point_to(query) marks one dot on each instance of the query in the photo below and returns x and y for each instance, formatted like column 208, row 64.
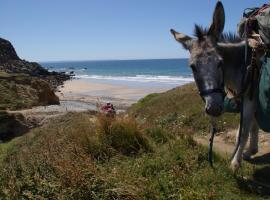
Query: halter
column 220, row 89
column 211, row 91
column 204, row 93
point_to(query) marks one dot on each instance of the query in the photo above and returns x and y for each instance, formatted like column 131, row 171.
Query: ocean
column 166, row 73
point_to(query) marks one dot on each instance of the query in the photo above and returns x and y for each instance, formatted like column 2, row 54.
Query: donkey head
column 205, row 61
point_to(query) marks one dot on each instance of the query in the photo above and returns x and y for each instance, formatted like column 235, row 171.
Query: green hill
column 153, row 156
column 178, row 110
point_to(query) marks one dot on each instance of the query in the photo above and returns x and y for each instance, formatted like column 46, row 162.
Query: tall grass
column 58, row 160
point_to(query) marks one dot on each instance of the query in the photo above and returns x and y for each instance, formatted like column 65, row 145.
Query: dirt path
column 224, row 143
column 39, row 115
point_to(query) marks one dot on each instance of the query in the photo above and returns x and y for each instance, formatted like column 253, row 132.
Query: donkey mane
column 228, row 37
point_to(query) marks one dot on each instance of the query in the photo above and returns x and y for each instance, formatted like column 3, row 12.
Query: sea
column 167, row 73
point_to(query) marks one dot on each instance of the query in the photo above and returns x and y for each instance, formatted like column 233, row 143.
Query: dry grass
column 58, row 160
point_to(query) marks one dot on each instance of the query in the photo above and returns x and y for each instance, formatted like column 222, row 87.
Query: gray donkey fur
column 217, row 59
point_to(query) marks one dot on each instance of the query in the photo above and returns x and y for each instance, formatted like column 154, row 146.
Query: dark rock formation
column 12, row 125
column 7, row 52
column 11, row 63
column 23, row 84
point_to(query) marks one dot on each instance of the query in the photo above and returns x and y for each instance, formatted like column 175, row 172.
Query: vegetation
column 179, row 110
column 19, row 91
column 84, row 156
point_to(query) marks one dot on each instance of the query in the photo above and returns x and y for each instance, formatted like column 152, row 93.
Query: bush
column 123, row 135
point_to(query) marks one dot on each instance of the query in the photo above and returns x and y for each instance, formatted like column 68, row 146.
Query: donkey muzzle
column 213, row 108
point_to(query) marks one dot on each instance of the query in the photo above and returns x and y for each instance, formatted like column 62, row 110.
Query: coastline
column 92, row 92
column 78, row 95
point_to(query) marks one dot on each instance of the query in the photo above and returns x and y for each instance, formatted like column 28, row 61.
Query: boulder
column 11, row 125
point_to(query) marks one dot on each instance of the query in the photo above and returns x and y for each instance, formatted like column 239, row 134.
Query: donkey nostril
column 214, row 110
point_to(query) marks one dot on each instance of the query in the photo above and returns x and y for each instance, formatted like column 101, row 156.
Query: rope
column 210, row 150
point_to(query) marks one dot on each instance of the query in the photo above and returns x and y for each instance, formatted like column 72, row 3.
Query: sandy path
column 225, row 143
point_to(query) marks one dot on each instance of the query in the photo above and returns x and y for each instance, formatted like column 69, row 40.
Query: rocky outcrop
column 7, row 51
column 45, row 94
column 11, row 63
column 19, row 91
column 12, row 125
column 25, row 84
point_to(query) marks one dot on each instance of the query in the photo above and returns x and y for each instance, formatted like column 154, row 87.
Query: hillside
column 89, row 156
column 23, row 85
column 179, row 110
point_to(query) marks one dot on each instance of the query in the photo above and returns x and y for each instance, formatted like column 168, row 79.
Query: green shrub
column 123, row 135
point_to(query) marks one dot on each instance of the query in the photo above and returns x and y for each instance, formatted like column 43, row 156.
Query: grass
column 84, row 156
column 60, row 159
column 179, row 110
column 19, row 91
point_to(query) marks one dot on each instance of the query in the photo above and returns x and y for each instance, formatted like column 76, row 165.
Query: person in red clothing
column 108, row 108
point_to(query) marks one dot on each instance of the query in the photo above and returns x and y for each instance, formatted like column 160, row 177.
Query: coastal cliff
column 10, row 62
column 23, row 85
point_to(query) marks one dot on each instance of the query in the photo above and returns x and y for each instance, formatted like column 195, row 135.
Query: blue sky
column 52, row 30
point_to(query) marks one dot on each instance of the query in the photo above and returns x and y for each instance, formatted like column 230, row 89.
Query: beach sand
column 90, row 92
column 78, row 95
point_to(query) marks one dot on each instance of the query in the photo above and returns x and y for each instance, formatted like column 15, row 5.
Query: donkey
column 216, row 60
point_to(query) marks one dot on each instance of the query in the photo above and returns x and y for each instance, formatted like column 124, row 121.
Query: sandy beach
column 78, row 95
column 93, row 93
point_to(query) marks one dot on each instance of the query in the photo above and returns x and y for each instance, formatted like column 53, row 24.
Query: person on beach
column 109, row 109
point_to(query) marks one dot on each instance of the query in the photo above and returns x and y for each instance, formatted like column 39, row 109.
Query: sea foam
column 141, row 78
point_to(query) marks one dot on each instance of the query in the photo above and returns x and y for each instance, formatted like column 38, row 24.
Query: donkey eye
column 193, row 67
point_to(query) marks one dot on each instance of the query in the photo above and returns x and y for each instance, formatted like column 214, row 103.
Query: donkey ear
column 218, row 23
column 182, row 38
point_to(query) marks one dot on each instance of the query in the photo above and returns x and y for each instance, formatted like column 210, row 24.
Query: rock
column 23, row 84
column 11, row 125
column 19, row 91
column 7, row 51
column 44, row 92
column 11, row 63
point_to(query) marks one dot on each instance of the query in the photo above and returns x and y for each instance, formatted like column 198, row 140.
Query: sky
column 57, row 30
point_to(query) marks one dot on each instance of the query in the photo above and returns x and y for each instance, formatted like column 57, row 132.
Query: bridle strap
column 211, row 91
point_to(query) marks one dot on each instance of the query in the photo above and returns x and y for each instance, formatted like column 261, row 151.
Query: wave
column 141, row 78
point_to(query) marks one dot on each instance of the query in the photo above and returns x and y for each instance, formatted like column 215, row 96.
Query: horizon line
column 52, row 61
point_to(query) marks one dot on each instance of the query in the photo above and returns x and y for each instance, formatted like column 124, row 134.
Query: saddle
column 254, row 27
